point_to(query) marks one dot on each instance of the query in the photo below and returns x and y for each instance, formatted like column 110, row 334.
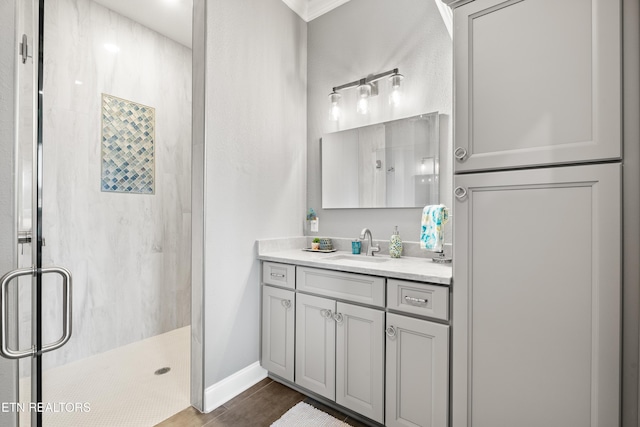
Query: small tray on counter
column 324, row 251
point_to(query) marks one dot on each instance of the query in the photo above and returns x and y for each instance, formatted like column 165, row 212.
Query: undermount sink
column 357, row 258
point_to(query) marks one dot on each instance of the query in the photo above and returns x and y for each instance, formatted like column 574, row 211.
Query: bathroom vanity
column 367, row 334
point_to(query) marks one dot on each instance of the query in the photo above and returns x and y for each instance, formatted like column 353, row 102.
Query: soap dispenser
column 395, row 244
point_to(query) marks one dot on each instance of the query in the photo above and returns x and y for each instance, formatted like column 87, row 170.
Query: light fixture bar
column 365, row 80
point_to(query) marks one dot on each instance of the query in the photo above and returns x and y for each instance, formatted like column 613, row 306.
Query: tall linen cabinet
column 537, row 213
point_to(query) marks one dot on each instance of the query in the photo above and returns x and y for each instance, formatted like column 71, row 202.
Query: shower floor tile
column 118, row 387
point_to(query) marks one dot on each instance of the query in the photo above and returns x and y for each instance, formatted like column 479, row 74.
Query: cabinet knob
column 460, row 193
column 286, row 303
column 338, row 318
column 460, row 153
column 391, row 331
column 327, row 314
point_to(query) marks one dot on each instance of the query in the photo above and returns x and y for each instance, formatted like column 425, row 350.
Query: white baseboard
column 233, row 385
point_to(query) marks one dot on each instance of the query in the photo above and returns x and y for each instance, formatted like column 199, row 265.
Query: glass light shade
column 395, row 97
column 364, row 92
column 334, row 110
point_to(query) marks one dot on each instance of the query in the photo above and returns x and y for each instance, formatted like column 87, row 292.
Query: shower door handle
column 7, row 352
column 66, row 308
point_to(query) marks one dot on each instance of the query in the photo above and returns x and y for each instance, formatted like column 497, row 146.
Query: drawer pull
column 412, row 300
column 278, row 275
column 286, row 303
column 391, row 331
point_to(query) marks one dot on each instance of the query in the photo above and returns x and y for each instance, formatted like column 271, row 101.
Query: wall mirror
column 393, row 164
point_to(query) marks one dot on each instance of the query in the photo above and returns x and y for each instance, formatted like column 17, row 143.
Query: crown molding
column 455, row 3
column 311, row 9
column 298, row 6
column 320, row 7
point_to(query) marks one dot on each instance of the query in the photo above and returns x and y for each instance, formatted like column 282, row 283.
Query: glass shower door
column 128, row 247
column 39, row 288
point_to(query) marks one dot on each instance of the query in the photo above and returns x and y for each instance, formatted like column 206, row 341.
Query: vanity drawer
column 418, row 298
column 279, row 274
column 337, row 284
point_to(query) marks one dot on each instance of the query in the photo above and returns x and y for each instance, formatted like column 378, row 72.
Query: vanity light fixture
column 366, row 88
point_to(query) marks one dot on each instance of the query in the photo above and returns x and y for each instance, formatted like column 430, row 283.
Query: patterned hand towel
column 434, row 217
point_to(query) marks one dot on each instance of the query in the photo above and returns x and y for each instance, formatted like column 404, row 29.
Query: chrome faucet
column 371, row 249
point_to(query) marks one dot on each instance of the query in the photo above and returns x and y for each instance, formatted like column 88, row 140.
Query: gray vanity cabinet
column 536, row 83
column 536, row 300
column 340, row 353
column 417, row 372
column 278, row 331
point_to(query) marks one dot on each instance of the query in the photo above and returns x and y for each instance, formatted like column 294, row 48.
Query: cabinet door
column 360, row 360
column 536, row 298
column 537, row 82
column 417, row 373
column 316, row 345
column 278, row 331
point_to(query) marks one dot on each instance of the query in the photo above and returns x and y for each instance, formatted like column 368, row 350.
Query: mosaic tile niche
column 128, row 151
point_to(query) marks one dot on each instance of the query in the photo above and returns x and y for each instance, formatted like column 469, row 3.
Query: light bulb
column 363, row 106
column 364, row 92
column 111, row 47
column 334, row 110
column 395, row 97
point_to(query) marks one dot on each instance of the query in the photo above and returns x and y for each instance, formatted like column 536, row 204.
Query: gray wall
column 364, row 37
column 8, row 369
column 254, row 165
column 129, row 253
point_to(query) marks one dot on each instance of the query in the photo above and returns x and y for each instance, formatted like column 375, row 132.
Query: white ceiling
column 172, row 18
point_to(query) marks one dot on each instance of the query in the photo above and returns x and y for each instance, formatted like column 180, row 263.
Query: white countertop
column 408, row 268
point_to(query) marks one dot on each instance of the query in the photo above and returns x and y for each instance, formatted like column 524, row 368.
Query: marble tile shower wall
column 129, row 253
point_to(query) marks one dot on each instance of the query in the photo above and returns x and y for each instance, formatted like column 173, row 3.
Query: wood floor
column 258, row 406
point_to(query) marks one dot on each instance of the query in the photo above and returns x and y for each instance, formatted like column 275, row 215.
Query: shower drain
column 162, row 371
